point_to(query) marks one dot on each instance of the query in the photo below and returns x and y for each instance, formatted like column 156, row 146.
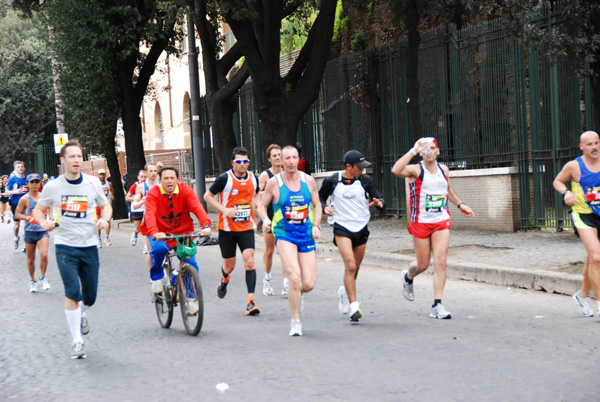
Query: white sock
column 74, row 322
column 354, row 306
column 286, row 281
column 268, row 277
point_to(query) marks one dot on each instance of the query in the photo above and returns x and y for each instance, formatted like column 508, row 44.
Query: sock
column 268, row 277
column 286, row 281
column 436, row 302
column 251, row 280
column 224, row 274
column 409, row 281
column 74, row 322
column 354, row 306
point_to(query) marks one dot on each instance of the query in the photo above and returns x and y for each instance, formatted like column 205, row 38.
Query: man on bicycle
column 168, row 208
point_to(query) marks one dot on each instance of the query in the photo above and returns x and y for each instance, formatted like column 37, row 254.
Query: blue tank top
column 590, row 185
column 292, row 215
column 27, row 212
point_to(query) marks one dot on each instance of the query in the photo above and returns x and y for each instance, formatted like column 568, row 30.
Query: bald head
column 590, row 145
column 588, row 136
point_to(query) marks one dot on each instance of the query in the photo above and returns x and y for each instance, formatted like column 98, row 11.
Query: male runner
column 292, row 193
column 584, row 197
column 238, row 191
column 349, row 191
column 16, row 188
column 137, row 214
column 107, row 188
column 140, row 197
column 75, row 195
column 35, row 235
column 274, row 157
column 430, row 191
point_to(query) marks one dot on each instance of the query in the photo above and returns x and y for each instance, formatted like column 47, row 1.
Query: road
column 502, row 344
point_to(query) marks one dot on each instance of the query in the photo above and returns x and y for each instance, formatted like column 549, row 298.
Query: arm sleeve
column 196, row 207
column 100, row 197
column 371, row 189
column 327, row 189
column 46, row 195
column 219, row 183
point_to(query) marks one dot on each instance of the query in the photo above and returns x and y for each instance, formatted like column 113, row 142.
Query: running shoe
column 78, row 351
column 267, row 288
column 157, row 286
column 285, row 286
column 24, row 250
column 107, row 241
column 584, row 304
column 192, row 307
column 251, row 308
column 343, row 304
column 85, row 324
column 222, row 287
column 17, row 238
column 355, row 313
column 45, row 283
column 99, row 243
column 296, row 327
column 407, row 288
column 33, row 287
column 133, row 240
column 2, row 218
column 145, row 250
column 440, row 312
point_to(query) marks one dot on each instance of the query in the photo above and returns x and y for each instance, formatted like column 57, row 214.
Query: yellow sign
column 59, row 141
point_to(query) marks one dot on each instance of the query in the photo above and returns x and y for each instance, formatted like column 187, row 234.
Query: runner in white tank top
column 430, row 191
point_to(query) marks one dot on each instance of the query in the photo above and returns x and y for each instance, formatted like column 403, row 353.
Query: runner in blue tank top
column 297, row 212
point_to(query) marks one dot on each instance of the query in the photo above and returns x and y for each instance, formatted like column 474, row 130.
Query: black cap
column 354, row 157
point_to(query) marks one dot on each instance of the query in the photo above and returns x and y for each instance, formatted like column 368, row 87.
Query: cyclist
column 168, row 208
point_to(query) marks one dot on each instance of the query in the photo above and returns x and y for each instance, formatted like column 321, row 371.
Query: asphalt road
column 502, row 344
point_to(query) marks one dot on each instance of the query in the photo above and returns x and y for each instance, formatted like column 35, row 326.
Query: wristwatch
column 564, row 191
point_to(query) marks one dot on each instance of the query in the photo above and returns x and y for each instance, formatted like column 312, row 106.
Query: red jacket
column 170, row 213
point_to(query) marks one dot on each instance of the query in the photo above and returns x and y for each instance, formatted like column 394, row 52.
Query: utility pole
column 195, row 116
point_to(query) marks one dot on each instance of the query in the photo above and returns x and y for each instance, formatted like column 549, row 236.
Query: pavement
column 540, row 260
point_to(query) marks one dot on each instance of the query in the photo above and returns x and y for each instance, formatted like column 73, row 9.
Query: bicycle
column 181, row 286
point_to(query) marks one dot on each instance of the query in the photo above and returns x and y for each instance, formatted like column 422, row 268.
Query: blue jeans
column 79, row 264
column 158, row 250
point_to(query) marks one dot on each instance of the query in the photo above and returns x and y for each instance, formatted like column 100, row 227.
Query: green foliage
column 337, row 23
column 359, row 42
column 346, row 23
column 26, row 97
column 295, row 28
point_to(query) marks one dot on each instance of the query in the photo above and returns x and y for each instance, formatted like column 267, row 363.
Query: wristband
column 31, row 220
column 413, row 151
column 318, row 227
column 459, row 204
column 206, row 227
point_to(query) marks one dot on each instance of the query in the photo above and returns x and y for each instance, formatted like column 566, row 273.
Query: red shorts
column 424, row 230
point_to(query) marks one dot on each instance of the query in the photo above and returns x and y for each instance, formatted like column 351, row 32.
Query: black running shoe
column 251, row 308
column 222, row 288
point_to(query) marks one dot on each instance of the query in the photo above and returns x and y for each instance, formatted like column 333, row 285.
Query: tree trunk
column 221, row 116
column 134, row 145
column 118, row 204
column 595, row 80
column 412, row 69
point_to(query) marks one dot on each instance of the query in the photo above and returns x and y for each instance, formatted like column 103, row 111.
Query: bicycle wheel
column 190, row 299
column 164, row 304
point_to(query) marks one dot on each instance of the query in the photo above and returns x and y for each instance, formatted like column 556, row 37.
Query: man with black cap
column 350, row 190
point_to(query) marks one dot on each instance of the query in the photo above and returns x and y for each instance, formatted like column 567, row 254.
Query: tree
column 26, row 103
column 280, row 102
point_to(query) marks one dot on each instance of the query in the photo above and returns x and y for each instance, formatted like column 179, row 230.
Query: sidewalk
column 546, row 261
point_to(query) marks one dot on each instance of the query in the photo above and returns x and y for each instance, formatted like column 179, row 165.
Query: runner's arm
column 39, row 213
column 402, row 169
column 266, row 199
column 139, row 199
column 375, row 194
column 560, row 182
column 452, row 197
column 316, row 203
column 326, row 191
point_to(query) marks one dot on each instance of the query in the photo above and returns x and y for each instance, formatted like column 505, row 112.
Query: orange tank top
column 238, row 193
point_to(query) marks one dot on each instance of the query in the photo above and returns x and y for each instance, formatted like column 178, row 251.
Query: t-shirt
column 15, row 183
column 75, row 203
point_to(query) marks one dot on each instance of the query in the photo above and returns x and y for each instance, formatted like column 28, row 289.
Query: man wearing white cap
column 430, row 191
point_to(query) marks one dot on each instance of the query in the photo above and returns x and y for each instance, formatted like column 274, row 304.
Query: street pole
column 195, row 117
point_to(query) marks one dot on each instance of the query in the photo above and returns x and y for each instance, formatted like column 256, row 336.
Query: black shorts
column 358, row 238
column 137, row 216
column 13, row 208
column 585, row 221
column 228, row 241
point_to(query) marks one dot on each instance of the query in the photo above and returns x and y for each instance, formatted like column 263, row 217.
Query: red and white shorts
column 425, row 230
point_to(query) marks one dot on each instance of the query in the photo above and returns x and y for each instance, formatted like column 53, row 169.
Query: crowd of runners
column 290, row 205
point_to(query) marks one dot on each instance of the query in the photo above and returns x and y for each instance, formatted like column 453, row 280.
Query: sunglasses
column 34, row 181
column 241, row 161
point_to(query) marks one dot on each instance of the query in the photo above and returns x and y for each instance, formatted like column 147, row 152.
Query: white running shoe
column 99, row 243
column 78, row 351
column 192, row 307
column 107, row 241
column 85, row 324
column 355, row 313
column 285, row 286
column 343, row 304
column 45, row 283
column 296, row 327
column 267, row 288
column 584, row 304
column 157, row 286
column 145, row 250
column 33, row 287
column 133, row 240
column 407, row 288
column 440, row 312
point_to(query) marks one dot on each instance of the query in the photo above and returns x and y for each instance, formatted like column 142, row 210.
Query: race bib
column 74, row 206
column 296, row 214
column 435, row 203
column 243, row 213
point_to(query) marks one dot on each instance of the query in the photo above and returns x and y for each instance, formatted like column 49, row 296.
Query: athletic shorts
column 358, row 238
column 228, row 241
column 585, row 221
column 79, row 264
column 425, row 230
column 304, row 246
column 13, row 209
column 137, row 216
column 33, row 236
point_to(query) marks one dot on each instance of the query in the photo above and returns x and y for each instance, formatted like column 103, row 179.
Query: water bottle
column 330, row 219
column 174, row 274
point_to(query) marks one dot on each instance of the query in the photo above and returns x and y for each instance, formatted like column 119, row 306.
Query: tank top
column 586, row 191
column 106, row 190
column 351, row 205
column 270, row 206
column 238, row 193
column 429, row 196
column 27, row 212
column 143, row 207
column 292, row 215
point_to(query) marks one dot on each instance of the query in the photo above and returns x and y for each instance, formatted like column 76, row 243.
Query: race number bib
column 74, row 206
column 243, row 213
column 435, row 203
column 296, row 214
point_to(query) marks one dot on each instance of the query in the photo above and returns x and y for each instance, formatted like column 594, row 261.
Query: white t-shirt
column 75, row 205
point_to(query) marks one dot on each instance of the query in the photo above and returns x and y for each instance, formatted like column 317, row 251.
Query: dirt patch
column 460, row 249
column 573, row 268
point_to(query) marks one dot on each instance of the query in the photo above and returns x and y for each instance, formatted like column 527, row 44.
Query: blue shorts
column 304, row 246
column 137, row 216
column 33, row 236
column 79, row 264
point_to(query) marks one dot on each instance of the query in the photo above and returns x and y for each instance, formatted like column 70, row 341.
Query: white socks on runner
column 74, row 321
column 268, row 277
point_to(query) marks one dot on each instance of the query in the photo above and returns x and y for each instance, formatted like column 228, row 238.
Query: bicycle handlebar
column 171, row 236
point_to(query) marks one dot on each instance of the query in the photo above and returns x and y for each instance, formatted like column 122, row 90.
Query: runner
column 75, row 195
column 17, row 187
column 274, row 157
column 349, row 191
column 292, row 193
column 179, row 200
column 34, row 235
column 140, row 198
column 136, row 214
column 430, row 191
column 584, row 197
column 238, row 191
column 107, row 188
column 4, row 200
